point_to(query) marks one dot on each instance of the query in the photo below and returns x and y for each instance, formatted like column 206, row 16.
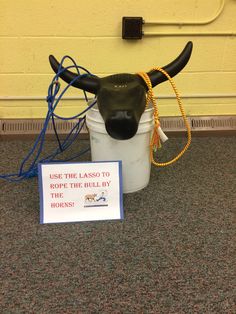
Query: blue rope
column 37, row 148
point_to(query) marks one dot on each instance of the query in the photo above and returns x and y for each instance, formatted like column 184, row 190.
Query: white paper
column 71, row 192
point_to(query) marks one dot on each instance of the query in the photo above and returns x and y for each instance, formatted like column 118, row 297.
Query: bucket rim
column 97, row 110
column 88, row 118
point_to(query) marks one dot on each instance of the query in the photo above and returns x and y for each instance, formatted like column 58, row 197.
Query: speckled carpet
column 173, row 253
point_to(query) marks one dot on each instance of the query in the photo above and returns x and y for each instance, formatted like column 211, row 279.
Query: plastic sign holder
column 74, row 192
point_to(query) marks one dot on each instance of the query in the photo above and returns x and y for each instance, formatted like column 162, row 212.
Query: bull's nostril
column 121, row 127
column 128, row 115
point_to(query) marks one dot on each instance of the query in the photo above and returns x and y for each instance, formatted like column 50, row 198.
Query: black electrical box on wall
column 132, row 27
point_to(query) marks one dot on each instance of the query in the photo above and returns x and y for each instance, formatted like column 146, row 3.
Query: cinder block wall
column 90, row 32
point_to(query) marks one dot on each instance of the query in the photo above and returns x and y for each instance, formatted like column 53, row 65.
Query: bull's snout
column 122, row 125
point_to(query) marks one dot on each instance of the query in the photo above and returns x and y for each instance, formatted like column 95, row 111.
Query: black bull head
column 121, row 98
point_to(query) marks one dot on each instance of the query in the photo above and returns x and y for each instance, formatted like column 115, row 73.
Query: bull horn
column 88, row 83
column 172, row 68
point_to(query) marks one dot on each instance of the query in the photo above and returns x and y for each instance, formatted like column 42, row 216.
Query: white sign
column 71, row 192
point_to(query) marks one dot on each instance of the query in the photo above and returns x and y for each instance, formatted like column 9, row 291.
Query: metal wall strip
column 170, row 124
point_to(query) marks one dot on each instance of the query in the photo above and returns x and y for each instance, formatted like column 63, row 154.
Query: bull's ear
column 172, row 68
column 87, row 83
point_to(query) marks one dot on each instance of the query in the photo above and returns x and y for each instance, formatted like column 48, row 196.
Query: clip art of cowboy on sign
column 71, row 192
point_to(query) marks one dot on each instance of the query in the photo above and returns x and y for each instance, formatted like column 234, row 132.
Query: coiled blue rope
column 30, row 169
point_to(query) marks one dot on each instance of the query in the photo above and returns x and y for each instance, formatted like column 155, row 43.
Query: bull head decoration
column 121, row 98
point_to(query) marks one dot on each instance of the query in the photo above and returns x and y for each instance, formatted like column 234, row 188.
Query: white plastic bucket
column 133, row 152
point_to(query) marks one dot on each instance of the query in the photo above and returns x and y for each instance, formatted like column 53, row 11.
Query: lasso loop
column 155, row 140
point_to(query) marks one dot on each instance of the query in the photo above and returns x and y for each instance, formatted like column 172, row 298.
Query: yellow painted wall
column 90, row 32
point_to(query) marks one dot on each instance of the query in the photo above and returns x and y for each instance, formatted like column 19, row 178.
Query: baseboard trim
column 200, row 125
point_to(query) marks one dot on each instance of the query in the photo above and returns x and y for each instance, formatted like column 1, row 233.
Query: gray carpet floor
column 173, row 253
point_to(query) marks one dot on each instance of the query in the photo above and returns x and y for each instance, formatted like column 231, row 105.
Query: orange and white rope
column 155, row 140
